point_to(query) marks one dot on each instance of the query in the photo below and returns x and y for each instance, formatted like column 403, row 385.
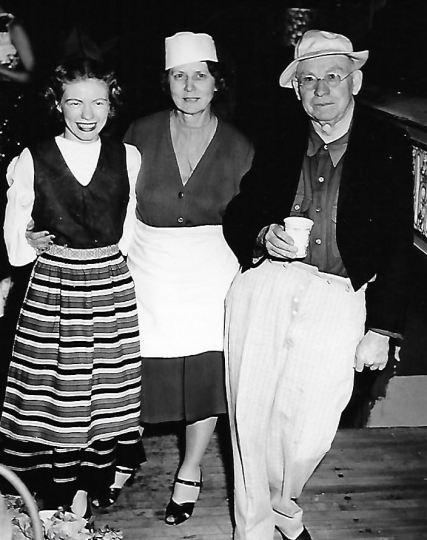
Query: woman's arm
column 133, row 160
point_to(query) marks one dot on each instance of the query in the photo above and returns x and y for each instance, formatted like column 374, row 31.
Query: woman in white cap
column 182, row 267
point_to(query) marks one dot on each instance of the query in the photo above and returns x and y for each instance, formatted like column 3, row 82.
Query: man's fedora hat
column 316, row 43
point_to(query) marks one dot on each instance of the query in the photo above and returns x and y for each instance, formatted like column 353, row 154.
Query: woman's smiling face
column 85, row 107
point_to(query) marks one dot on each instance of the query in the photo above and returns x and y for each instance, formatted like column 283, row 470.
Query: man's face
column 323, row 102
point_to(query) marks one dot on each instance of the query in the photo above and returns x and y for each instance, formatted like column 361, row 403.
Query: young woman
column 72, row 406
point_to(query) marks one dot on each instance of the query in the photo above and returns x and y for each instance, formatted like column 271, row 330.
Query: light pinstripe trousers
column 291, row 336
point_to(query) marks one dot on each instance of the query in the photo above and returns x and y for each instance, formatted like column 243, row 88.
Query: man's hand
column 40, row 241
column 278, row 243
column 372, row 351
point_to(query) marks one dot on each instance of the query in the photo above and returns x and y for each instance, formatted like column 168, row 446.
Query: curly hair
column 82, row 69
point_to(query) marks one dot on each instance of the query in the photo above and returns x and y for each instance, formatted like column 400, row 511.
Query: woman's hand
column 278, row 243
column 40, row 241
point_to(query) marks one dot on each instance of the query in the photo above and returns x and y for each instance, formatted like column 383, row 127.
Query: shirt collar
column 336, row 148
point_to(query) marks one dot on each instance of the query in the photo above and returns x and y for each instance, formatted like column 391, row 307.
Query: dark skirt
column 188, row 388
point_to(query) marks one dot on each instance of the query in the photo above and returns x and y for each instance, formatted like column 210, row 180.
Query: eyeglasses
column 309, row 82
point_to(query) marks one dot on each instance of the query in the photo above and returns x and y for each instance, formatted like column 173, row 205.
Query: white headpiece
column 186, row 47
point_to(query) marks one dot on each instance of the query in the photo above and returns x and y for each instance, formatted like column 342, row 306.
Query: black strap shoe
column 178, row 513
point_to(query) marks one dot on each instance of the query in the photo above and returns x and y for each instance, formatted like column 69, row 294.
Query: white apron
column 181, row 276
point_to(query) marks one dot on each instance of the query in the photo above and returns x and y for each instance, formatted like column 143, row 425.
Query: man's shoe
column 305, row 535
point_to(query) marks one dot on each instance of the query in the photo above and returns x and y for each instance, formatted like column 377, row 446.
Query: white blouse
column 82, row 160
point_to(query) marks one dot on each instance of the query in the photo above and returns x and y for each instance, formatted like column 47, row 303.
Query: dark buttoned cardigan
column 163, row 201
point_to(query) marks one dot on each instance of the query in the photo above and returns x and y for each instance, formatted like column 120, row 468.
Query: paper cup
column 299, row 229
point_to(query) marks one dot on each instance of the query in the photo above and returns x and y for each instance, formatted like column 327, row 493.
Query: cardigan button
column 180, row 220
column 181, row 194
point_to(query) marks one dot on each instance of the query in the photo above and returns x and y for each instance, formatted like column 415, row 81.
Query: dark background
column 251, row 36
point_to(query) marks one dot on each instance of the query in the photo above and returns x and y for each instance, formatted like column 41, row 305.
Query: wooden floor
column 371, row 486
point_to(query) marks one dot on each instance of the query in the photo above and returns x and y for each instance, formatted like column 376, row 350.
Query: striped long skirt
column 73, row 390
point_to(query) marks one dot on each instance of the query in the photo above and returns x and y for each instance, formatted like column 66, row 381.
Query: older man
column 297, row 328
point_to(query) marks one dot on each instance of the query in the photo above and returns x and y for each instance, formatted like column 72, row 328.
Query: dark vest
column 80, row 216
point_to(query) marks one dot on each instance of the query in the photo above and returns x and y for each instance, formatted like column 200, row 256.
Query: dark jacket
column 374, row 215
